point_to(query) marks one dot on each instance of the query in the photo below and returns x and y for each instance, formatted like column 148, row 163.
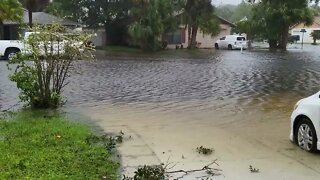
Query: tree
column 315, row 9
column 225, row 11
column 152, row 21
column 247, row 27
column 272, row 19
column 199, row 14
column 235, row 13
column 34, row 6
column 243, row 10
column 113, row 15
column 42, row 71
column 316, row 36
column 71, row 9
column 9, row 10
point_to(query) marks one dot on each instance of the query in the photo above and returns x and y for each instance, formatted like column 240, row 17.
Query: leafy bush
column 315, row 36
column 150, row 173
column 42, row 68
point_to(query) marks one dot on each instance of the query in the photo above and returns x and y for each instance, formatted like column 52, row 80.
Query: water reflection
column 221, row 80
column 225, row 79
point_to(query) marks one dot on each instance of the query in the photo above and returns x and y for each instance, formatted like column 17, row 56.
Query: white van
column 231, row 42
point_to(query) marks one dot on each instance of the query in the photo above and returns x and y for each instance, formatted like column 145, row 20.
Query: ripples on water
column 224, row 80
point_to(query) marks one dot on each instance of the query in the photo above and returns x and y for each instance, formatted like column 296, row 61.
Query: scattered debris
column 253, row 170
column 119, row 139
column 121, row 133
column 161, row 172
column 204, row 151
column 207, row 169
column 148, row 173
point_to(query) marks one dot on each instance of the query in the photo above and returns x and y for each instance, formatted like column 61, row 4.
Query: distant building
column 296, row 30
column 100, row 36
column 180, row 37
column 12, row 29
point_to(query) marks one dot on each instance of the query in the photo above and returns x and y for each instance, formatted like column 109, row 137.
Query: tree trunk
column 30, row 17
column 194, row 36
column 106, row 34
column 189, row 36
column 273, row 44
column 1, row 30
column 249, row 41
column 284, row 39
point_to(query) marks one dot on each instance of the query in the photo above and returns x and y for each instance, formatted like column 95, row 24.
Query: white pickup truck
column 9, row 48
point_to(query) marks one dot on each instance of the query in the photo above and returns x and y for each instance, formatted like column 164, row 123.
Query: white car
column 305, row 123
column 231, row 42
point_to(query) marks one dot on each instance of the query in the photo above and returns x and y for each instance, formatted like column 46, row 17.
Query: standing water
column 237, row 103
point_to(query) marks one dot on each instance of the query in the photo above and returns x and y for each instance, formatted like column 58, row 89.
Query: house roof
column 316, row 21
column 315, row 24
column 43, row 18
column 224, row 21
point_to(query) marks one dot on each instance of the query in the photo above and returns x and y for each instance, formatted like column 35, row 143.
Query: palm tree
column 34, row 6
column 9, row 10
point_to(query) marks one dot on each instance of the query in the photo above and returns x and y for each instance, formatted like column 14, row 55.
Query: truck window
column 223, row 38
column 241, row 38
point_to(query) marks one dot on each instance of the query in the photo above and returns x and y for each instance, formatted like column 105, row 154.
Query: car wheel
column 11, row 53
column 216, row 45
column 229, row 47
column 305, row 135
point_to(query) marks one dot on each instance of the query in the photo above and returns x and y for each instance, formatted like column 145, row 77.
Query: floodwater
column 237, row 103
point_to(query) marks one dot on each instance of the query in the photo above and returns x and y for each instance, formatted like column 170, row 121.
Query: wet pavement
column 237, row 103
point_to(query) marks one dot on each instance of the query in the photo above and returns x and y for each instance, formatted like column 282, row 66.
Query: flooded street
column 237, row 103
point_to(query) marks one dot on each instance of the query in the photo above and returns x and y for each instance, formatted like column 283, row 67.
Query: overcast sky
column 218, row 2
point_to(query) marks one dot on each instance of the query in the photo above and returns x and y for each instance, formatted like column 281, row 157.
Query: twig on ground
column 209, row 170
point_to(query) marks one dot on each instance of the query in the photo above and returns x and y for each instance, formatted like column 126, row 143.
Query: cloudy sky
column 217, row 2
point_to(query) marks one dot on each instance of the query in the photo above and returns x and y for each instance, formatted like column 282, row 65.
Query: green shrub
column 43, row 67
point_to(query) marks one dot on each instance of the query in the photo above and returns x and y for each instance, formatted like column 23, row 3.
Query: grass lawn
column 35, row 146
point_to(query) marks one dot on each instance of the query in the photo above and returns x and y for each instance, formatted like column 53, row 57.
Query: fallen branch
column 209, row 170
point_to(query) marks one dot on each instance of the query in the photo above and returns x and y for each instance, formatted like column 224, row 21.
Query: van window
column 241, row 38
column 223, row 38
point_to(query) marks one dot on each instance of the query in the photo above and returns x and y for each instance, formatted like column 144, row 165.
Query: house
column 180, row 37
column 297, row 30
column 100, row 36
column 12, row 29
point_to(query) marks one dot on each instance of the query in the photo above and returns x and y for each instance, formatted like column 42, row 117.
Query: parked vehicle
column 293, row 38
column 10, row 48
column 231, row 42
column 305, row 123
